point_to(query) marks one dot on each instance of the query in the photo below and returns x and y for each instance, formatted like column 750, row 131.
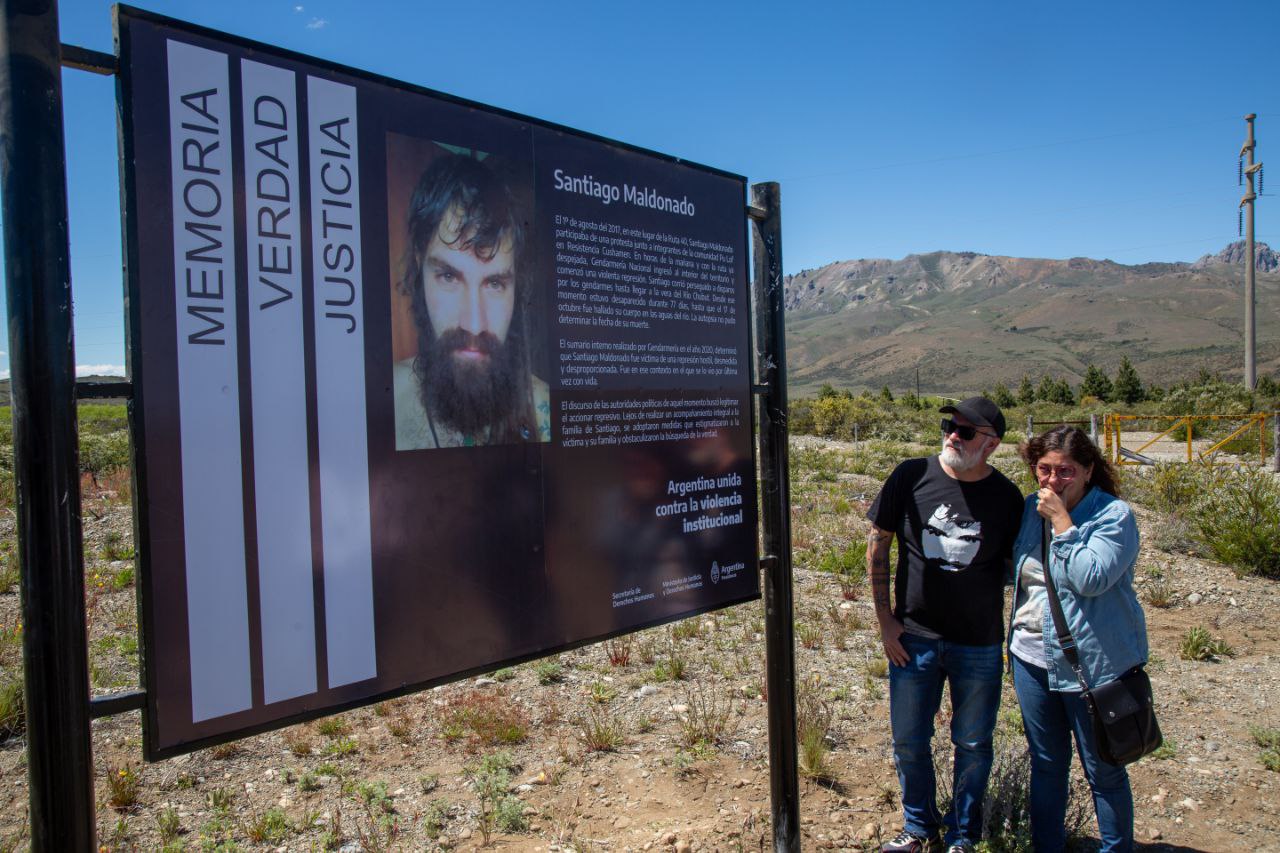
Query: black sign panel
column 422, row 386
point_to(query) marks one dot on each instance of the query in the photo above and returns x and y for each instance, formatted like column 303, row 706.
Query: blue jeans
column 1050, row 718
column 915, row 694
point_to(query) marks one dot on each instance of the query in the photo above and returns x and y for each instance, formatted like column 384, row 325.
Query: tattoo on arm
column 878, row 542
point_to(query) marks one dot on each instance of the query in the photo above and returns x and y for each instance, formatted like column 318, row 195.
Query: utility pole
column 1248, row 170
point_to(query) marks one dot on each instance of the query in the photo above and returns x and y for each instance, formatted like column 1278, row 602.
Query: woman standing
column 1092, row 548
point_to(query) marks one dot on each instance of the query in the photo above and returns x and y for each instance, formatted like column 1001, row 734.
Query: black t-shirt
column 953, row 540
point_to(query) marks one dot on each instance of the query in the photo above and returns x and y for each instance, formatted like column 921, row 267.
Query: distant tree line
column 1126, row 388
column 842, row 413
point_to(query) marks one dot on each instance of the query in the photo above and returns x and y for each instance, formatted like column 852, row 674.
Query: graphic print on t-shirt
column 950, row 540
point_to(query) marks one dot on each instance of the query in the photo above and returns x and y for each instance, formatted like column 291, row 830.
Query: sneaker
column 909, row 842
column 965, row 846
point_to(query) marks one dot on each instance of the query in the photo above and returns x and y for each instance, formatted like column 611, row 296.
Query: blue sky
column 1108, row 130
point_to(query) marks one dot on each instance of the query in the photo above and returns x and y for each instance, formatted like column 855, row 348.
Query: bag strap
column 1065, row 640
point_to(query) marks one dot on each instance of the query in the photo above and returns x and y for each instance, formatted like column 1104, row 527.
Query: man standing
column 955, row 518
column 470, row 382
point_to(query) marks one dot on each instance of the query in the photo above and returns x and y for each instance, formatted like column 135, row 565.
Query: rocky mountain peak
column 1264, row 259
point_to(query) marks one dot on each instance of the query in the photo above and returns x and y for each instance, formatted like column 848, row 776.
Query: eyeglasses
column 966, row 433
column 1064, row 472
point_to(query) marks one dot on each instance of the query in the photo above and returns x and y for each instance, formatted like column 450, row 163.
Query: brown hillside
column 967, row 320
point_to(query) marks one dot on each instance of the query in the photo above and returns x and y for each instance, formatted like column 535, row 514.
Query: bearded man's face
column 469, row 377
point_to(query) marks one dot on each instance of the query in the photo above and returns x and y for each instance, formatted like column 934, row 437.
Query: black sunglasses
column 966, row 433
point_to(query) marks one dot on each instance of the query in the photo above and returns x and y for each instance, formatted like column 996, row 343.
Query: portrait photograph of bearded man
column 463, row 374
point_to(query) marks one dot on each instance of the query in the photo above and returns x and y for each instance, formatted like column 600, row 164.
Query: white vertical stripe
column 277, row 370
column 208, row 380
column 340, row 396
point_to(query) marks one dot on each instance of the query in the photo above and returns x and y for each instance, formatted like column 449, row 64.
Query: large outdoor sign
column 422, row 386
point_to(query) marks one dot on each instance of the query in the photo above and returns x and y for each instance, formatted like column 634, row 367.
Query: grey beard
column 959, row 460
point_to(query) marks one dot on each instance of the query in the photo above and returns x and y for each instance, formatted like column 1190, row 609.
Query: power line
column 1001, row 151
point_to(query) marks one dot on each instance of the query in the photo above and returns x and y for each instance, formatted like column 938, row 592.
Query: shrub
column 168, row 823
column 490, row 780
column 601, row 730
column 1158, row 593
column 508, row 815
column 602, row 693
column 10, row 571
column 548, row 671
column 333, row 727
column 1269, row 740
column 1173, row 534
column 1176, row 485
column 270, row 827
column 1005, row 813
column 849, row 565
column 619, row 649
column 123, row 784
column 673, row 667
column 437, row 815
column 492, row 718
column 100, row 454
column 117, row 547
column 809, row 634
column 813, row 724
column 1238, row 519
column 13, row 709
column 707, row 717
column 1199, row 644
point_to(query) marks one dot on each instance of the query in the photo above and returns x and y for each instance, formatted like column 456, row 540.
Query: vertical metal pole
column 775, row 498
column 1250, row 373
column 1188, row 439
column 1275, row 443
column 1031, row 426
column 46, row 462
column 1093, row 428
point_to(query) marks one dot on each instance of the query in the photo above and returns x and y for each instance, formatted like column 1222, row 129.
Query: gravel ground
column 684, row 761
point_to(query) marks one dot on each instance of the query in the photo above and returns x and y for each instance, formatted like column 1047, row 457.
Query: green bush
column 1175, row 486
column 1238, row 520
column 13, row 711
column 100, row 454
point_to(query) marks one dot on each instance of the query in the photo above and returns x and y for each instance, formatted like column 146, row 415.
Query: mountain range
column 966, row 321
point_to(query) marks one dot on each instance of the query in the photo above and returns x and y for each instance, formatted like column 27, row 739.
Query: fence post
column 1275, row 444
column 1093, row 429
column 1031, row 426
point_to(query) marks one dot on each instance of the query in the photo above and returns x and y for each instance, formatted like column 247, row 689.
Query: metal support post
column 1031, row 427
column 1275, row 443
column 46, row 464
column 775, row 498
column 1249, row 170
column 1093, row 429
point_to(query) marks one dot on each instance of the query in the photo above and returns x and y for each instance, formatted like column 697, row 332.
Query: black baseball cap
column 980, row 412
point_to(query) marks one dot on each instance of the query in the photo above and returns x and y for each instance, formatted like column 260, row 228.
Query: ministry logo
column 715, row 572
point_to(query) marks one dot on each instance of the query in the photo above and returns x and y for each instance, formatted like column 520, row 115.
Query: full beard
column 959, row 460
column 475, row 398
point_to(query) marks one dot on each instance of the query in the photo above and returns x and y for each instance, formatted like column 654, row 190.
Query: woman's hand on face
column 1051, row 507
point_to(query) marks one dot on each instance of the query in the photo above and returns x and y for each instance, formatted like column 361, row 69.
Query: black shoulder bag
column 1123, row 710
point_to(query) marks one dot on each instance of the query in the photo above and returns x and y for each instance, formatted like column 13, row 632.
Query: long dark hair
column 491, row 214
column 1075, row 443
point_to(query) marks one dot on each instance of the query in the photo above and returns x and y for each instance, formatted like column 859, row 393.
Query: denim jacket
column 1092, row 565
